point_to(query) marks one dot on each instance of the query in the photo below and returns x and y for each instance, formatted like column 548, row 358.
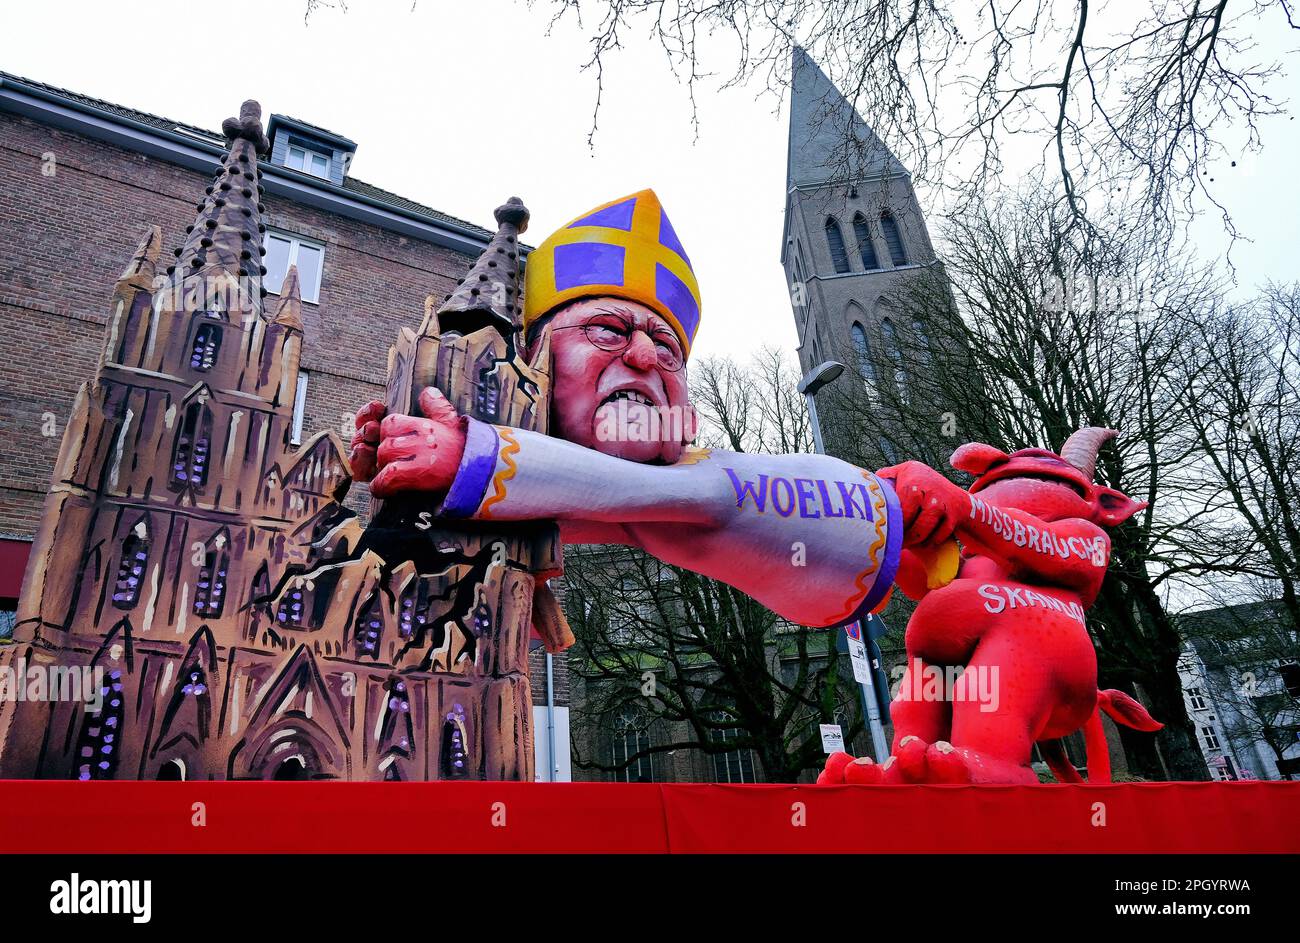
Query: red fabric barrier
column 596, row 817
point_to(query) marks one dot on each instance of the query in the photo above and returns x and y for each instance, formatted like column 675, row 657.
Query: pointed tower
column 176, row 502
column 854, row 232
column 829, row 141
column 466, row 590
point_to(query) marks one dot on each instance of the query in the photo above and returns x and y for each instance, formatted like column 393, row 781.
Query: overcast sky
column 460, row 105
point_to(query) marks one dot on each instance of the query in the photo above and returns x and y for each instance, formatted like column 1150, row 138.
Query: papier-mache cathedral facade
column 247, row 626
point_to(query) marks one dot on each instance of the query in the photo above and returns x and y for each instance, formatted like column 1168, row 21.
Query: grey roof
column 828, row 138
column 346, row 142
column 366, row 190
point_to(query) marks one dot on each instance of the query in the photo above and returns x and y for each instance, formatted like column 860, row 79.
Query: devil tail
column 1123, row 710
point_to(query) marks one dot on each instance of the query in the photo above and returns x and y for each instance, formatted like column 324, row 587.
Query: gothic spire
column 226, row 238
column 139, row 272
column 492, row 286
column 828, row 139
column 288, row 311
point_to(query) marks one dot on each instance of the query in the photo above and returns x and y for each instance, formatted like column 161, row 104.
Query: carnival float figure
column 1034, row 554
column 814, row 538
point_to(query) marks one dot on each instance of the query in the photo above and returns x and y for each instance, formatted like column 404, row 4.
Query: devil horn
column 1081, row 449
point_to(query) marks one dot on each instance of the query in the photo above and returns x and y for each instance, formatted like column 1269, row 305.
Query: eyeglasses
column 614, row 333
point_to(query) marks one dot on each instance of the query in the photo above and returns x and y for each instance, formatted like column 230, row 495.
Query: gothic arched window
column 99, row 745
column 835, row 240
column 210, row 588
column 207, row 341
column 191, row 452
column 889, row 336
column 487, row 400
column 862, row 349
column 130, row 568
column 291, row 607
column 396, row 730
column 893, row 239
column 924, row 352
column 631, row 736
column 866, row 247
column 368, row 627
column 453, row 760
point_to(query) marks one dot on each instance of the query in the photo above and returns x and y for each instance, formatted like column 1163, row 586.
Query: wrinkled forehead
column 638, row 314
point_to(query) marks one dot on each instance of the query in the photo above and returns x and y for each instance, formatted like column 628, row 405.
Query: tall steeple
column 490, row 292
column 226, row 237
column 829, row 141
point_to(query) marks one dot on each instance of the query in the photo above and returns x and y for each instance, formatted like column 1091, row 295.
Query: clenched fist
column 932, row 505
column 408, row 453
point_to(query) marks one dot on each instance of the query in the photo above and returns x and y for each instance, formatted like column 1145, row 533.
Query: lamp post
column 814, row 380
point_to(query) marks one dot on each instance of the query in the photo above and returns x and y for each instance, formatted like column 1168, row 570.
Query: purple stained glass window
column 210, row 588
column 207, row 341
column 98, row 746
column 290, row 610
column 130, row 570
column 454, row 754
column 369, row 626
column 190, row 453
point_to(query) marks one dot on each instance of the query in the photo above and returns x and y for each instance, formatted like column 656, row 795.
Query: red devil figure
column 999, row 659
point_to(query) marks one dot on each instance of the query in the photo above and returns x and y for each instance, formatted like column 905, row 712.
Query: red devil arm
column 1071, row 553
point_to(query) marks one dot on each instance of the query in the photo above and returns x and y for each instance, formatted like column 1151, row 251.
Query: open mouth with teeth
column 629, row 395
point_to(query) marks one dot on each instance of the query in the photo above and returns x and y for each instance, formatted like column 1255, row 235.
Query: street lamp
column 814, row 380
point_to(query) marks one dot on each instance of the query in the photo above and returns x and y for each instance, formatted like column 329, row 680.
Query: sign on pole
column 832, row 738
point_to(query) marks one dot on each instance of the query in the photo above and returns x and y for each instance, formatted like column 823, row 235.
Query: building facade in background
column 1240, row 671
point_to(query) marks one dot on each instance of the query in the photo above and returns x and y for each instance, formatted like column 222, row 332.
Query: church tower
column 854, row 239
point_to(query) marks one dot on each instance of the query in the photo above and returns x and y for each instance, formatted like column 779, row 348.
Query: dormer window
column 309, row 149
column 308, row 161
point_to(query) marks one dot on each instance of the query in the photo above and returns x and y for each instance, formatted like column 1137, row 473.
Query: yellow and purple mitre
column 626, row 249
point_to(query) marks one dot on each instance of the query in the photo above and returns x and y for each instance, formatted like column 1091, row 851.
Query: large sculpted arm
column 810, row 536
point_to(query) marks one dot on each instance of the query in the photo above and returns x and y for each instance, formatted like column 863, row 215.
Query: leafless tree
column 1129, row 103
column 1241, row 381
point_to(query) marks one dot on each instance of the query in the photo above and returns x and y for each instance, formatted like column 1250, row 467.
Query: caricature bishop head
column 615, row 292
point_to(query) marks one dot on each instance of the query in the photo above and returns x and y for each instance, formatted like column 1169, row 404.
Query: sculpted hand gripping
column 1034, row 554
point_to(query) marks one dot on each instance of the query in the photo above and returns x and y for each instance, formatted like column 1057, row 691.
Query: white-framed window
column 308, row 161
column 299, row 408
column 1211, row 741
column 283, row 250
column 1196, row 699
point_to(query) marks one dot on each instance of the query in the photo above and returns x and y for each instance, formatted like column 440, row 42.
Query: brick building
column 366, row 260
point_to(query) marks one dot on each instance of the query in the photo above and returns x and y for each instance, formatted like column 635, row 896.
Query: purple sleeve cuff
column 477, row 463
column 889, row 559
